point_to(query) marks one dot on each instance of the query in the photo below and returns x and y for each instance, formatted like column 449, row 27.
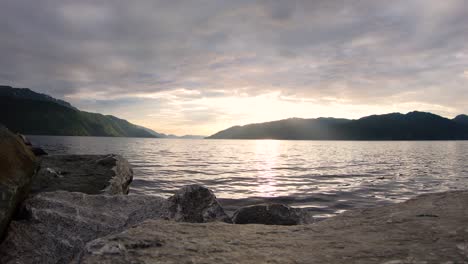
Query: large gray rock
column 17, row 165
column 196, row 204
column 91, row 174
column 428, row 229
column 271, row 214
column 54, row 226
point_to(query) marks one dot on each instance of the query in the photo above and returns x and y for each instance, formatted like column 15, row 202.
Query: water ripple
column 327, row 177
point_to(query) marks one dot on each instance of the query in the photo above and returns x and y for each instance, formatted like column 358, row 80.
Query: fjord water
column 327, row 177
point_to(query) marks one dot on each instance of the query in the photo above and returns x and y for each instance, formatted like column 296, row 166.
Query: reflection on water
column 327, row 177
column 266, row 152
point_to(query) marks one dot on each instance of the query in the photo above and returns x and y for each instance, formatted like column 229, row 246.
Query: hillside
column 395, row 126
column 461, row 119
column 27, row 112
column 25, row 93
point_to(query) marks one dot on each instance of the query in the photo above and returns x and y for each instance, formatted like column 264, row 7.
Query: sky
column 197, row 67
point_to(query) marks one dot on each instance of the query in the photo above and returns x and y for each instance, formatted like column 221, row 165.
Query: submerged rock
column 196, row 204
column 91, row 174
column 390, row 234
column 271, row 214
column 17, row 166
column 54, row 226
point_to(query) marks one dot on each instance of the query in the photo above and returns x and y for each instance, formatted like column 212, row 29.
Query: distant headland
column 41, row 114
column 411, row 126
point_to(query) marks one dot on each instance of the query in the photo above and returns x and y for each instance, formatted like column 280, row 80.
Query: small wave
column 323, row 176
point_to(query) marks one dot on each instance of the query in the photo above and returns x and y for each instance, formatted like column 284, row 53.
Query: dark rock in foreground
column 91, row 174
column 24, row 139
column 56, row 225
column 271, row 214
column 37, row 151
column 196, row 204
column 428, row 229
column 17, row 166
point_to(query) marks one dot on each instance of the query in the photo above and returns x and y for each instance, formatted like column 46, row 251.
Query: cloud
column 358, row 52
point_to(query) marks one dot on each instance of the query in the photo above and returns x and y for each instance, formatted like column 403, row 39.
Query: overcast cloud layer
column 194, row 67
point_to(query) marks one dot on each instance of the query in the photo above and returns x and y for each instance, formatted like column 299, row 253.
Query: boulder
column 428, row 229
column 271, row 214
column 196, row 204
column 36, row 150
column 91, row 174
column 54, row 226
column 24, row 139
column 17, row 166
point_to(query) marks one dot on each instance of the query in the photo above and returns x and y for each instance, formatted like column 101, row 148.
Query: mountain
column 461, row 119
column 25, row 93
column 171, row 136
column 412, row 126
column 191, row 137
column 28, row 112
column 152, row 132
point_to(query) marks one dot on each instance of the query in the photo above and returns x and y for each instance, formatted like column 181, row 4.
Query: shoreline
column 427, row 229
column 379, row 234
column 78, row 211
column 269, row 139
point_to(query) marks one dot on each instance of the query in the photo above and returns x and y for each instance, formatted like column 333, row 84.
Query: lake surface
column 327, row 177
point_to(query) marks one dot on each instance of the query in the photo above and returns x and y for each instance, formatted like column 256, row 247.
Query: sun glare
column 266, row 155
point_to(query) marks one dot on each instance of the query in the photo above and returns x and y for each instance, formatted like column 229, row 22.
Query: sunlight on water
column 328, row 177
column 266, row 153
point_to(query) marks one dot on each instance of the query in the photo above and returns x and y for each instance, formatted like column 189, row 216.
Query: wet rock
column 271, row 214
column 361, row 236
column 91, row 174
column 24, row 139
column 196, row 204
column 38, row 151
column 52, row 227
column 17, row 166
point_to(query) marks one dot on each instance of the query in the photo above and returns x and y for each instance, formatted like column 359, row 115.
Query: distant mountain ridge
column 26, row 93
column 162, row 135
column 395, row 126
column 152, row 132
column 25, row 111
column 461, row 119
column 184, row 136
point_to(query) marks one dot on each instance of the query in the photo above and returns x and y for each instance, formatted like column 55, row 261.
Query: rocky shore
column 75, row 209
